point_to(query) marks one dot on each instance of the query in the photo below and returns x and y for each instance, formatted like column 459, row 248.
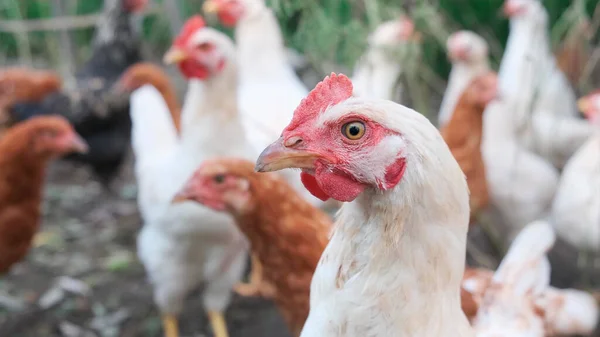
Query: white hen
column 395, row 260
column 576, row 207
column 269, row 89
column 184, row 244
column 508, row 308
column 468, row 53
column 376, row 73
column 546, row 117
column 521, row 183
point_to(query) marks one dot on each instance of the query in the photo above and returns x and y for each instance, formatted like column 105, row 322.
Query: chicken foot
column 217, row 322
column 170, row 326
column 257, row 285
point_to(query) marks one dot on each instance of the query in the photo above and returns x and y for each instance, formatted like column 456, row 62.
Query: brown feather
column 287, row 234
column 23, row 160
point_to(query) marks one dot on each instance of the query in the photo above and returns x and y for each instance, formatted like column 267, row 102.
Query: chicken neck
column 522, row 61
column 405, row 247
column 114, row 23
column 376, row 74
column 460, row 76
column 260, row 45
column 215, row 98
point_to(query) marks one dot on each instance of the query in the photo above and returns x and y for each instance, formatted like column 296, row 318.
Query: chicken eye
column 219, row 178
column 205, row 47
column 353, row 130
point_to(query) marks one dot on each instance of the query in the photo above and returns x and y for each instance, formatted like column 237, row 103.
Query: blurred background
column 85, row 279
column 329, row 35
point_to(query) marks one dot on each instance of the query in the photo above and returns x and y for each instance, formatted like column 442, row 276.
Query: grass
column 328, row 31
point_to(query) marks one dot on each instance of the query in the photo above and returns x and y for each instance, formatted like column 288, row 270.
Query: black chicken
column 98, row 112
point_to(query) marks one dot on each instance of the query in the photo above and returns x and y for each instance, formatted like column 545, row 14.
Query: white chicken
column 183, row 245
column 564, row 312
column 508, row 308
column 395, row 261
column 568, row 312
column 376, row 73
column 576, row 207
column 269, row 89
column 468, row 53
column 546, row 117
column 521, row 184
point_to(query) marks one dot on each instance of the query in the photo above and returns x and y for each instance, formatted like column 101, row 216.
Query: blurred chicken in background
column 463, row 135
column 576, row 206
column 545, row 111
column 25, row 151
column 468, row 53
column 269, row 89
column 287, row 233
column 98, row 113
column 377, row 72
column 185, row 245
column 18, row 84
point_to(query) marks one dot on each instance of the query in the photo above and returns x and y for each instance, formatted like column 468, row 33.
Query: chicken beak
column 277, row 157
column 77, row 144
column 583, row 105
column 210, row 6
column 180, row 197
column 174, row 55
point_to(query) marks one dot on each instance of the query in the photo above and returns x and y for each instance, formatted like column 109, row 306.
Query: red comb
column 331, row 91
column 192, row 25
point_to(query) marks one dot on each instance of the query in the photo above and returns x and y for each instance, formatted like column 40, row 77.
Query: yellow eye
column 353, row 130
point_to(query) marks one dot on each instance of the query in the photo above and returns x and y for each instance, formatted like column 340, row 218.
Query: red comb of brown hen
column 331, row 91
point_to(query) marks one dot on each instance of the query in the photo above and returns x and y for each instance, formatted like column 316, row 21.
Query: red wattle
column 338, row 185
column 310, row 182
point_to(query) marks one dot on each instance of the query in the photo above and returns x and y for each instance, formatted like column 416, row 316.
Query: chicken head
column 220, row 184
column 590, row 106
column 230, row 12
column 526, row 9
column 134, row 5
column 393, row 32
column 466, row 46
column 341, row 143
column 53, row 136
column 199, row 51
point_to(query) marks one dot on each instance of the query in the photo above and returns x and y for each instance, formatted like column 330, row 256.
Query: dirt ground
column 86, row 280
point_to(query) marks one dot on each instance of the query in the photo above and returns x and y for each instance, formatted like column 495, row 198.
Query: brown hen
column 286, row 233
column 144, row 73
column 20, row 84
column 463, row 136
column 25, row 150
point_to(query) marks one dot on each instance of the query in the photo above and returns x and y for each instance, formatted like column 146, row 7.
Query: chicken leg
column 256, row 284
column 170, row 325
column 217, row 322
